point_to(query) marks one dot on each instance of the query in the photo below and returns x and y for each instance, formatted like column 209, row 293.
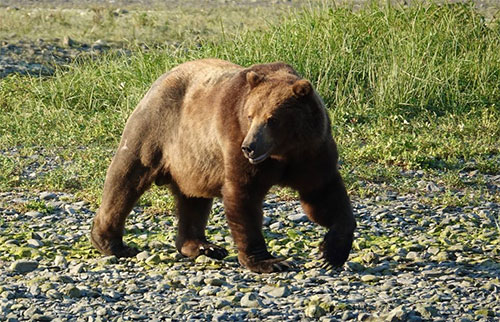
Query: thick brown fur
column 210, row 128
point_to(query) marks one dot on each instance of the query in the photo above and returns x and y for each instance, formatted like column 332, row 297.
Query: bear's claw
column 213, row 251
column 268, row 264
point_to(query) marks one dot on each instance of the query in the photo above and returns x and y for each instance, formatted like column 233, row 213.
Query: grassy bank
column 414, row 88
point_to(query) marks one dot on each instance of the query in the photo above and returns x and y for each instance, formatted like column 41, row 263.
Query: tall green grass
column 416, row 88
column 404, row 87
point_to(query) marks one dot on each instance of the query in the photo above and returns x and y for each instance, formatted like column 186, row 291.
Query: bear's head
column 282, row 114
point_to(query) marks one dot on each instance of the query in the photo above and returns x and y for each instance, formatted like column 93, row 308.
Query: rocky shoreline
column 410, row 262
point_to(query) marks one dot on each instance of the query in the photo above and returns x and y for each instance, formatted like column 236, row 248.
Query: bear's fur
column 210, row 128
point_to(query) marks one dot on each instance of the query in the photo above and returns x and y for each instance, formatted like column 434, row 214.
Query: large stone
column 250, row 300
column 314, row 311
column 22, row 266
column 72, row 291
column 298, row 218
column 35, row 243
column 47, row 195
column 281, row 291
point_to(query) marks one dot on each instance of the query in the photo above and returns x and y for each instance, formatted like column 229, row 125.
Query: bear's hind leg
column 126, row 181
column 192, row 215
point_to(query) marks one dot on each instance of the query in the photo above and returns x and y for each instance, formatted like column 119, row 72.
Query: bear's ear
column 254, row 79
column 301, row 88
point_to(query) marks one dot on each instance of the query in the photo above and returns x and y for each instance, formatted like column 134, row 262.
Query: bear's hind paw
column 271, row 265
column 114, row 247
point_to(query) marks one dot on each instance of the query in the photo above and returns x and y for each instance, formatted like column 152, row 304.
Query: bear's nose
column 248, row 150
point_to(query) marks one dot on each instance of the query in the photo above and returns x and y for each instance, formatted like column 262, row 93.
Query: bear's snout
column 248, row 150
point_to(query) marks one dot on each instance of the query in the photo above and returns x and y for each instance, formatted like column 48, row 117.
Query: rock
column 41, row 318
column 277, row 225
column 142, row 255
column 298, row 218
column 99, row 44
column 53, row 294
column 398, row 314
column 72, row 291
column 77, row 269
column 181, row 308
column 203, row 259
column 34, row 214
column 32, row 310
column 48, row 196
column 369, row 278
column 108, row 260
column 221, row 303
column 432, row 187
column 314, row 311
column 214, row 281
column 426, row 311
column 35, row 243
column 433, row 250
column 250, row 300
column 370, row 257
column 69, row 210
column 441, row 257
column 60, row 261
column 68, row 42
column 153, row 260
column 22, row 266
column 484, row 313
column 281, row 291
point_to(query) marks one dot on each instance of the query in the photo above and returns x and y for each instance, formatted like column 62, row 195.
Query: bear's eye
column 250, row 117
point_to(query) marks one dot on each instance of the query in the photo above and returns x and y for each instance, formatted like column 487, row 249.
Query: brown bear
column 210, row 128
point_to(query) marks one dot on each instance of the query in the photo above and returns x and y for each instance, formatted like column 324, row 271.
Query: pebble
column 369, row 278
column 250, row 300
column 298, row 218
column 276, row 225
column 34, row 243
column 47, row 195
column 282, row 291
column 142, row 255
column 78, row 268
column 392, row 272
column 24, row 266
column 33, row 214
column 314, row 311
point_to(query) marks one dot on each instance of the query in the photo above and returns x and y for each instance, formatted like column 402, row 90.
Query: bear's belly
column 200, row 184
column 197, row 168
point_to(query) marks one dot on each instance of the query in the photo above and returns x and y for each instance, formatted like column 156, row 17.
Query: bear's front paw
column 114, row 247
column 270, row 264
column 213, row 251
column 335, row 248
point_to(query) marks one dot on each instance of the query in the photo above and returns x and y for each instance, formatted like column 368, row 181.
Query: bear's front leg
column 243, row 207
column 329, row 206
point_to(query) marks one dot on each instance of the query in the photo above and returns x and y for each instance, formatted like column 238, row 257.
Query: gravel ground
column 410, row 262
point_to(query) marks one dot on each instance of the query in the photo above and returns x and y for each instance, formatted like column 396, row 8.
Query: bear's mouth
column 260, row 158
